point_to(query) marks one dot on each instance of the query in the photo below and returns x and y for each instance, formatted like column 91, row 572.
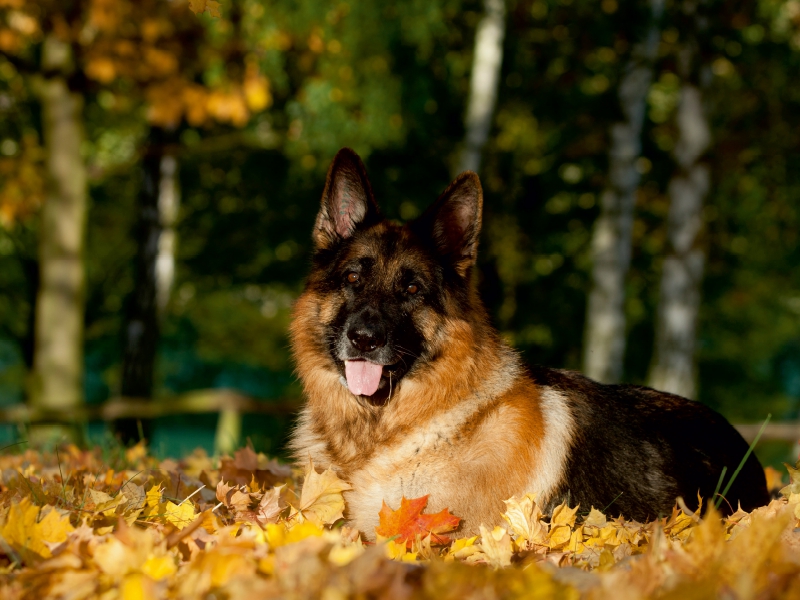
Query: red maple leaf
column 406, row 523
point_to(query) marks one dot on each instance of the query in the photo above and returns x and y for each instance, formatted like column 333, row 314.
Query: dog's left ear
column 347, row 201
column 453, row 222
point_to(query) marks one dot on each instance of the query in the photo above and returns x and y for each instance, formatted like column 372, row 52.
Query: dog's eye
column 353, row 277
column 412, row 288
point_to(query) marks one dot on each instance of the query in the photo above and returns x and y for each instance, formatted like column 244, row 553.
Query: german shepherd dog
column 410, row 391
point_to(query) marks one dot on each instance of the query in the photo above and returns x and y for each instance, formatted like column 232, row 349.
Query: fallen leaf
column 321, row 499
column 179, row 515
column 29, row 529
column 525, row 519
column 496, row 547
column 270, row 506
column 153, row 496
column 595, row 519
column 564, row 515
column 408, row 522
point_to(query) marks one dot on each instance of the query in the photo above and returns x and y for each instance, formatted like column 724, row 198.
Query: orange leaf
column 408, row 522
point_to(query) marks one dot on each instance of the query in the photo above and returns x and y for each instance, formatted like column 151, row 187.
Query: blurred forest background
column 161, row 164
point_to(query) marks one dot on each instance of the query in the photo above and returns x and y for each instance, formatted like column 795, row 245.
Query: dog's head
column 385, row 290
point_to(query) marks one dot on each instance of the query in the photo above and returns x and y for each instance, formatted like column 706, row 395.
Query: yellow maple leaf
column 29, row 528
column 159, row 567
column 104, row 503
column 496, row 546
column 576, row 541
column 606, row 560
column 609, row 535
column 279, row 534
column 525, row 519
column 462, row 543
column 211, row 522
column 792, row 491
column 179, row 515
column 321, row 500
column 398, row 551
column 462, row 548
column 595, row 519
column 774, row 478
column 153, row 496
column 564, row 515
column 559, row 536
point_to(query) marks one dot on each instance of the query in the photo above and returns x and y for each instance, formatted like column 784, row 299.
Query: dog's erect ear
column 346, row 202
column 453, row 222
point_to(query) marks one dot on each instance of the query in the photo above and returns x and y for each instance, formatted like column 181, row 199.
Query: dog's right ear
column 453, row 222
column 347, row 201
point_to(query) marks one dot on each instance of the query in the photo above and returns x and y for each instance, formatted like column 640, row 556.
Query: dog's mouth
column 370, row 380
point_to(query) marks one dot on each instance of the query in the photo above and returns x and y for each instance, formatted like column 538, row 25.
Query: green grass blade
column 719, row 484
column 744, row 460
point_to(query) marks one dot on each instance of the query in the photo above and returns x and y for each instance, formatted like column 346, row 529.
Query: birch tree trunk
column 673, row 368
column 57, row 376
column 485, row 79
column 168, row 205
column 154, row 270
column 604, row 345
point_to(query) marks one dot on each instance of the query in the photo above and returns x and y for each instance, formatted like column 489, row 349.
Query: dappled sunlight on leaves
column 82, row 524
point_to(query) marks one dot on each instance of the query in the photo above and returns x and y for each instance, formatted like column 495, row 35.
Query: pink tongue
column 363, row 377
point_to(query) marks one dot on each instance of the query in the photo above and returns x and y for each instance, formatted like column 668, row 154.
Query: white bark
column 168, row 203
column 673, row 368
column 486, row 66
column 57, row 378
column 604, row 346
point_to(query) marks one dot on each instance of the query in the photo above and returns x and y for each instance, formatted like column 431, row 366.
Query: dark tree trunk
column 31, row 268
column 141, row 328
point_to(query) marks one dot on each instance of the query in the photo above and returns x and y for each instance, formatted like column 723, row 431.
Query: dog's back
column 634, row 450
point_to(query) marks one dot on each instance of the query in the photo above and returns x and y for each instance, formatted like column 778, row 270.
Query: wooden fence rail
column 229, row 402
column 788, row 432
column 195, row 402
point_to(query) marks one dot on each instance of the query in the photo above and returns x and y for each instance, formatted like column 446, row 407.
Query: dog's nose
column 367, row 339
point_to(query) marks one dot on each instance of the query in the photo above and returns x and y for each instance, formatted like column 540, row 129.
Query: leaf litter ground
column 74, row 525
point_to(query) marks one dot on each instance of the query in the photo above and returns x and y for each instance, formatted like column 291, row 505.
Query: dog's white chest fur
column 419, row 465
